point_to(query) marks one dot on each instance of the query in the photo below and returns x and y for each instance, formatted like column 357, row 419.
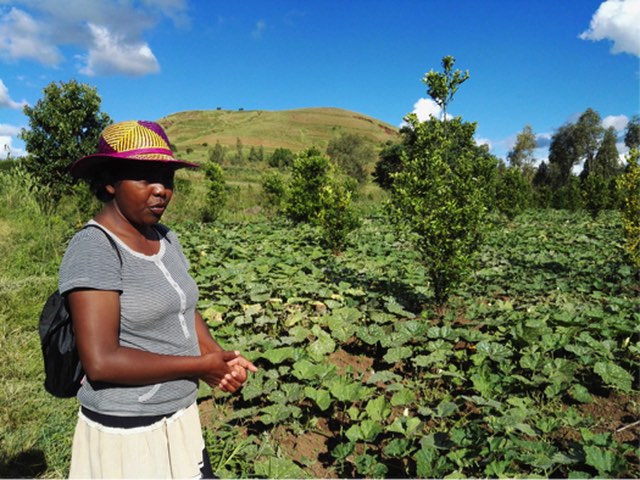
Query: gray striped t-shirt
column 157, row 314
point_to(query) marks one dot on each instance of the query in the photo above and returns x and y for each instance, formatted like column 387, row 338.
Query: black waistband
column 122, row 422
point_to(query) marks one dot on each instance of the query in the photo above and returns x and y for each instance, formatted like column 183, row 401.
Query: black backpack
column 62, row 368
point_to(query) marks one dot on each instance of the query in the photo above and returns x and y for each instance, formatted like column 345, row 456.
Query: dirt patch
column 345, row 361
column 617, row 414
column 307, row 448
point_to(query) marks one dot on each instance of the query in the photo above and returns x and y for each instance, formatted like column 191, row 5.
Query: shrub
column 216, row 192
column 629, row 189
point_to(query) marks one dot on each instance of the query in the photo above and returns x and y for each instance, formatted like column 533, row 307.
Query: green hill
column 195, row 132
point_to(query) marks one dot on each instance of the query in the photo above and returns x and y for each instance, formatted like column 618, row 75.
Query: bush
column 274, row 190
column 629, row 190
column 316, row 194
column 216, row 192
column 513, row 192
column 281, row 158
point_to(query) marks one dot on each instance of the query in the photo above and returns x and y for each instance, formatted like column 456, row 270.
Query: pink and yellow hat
column 134, row 140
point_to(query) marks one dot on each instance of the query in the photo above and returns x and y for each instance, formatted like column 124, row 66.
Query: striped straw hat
column 132, row 140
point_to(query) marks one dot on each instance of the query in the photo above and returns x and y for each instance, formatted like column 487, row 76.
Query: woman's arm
column 96, row 320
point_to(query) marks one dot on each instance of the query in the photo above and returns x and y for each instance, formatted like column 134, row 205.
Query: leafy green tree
column 563, row 155
column 629, row 189
column 389, row 163
column 598, row 187
column 217, row 191
column 311, row 172
column 632, row 133
column 281, row 158
column 238, row 158
column 521, row 155
column 316, row 194
column 256, row 155
column 513, row 191
column 352, row 153
column 587, row 136
column 217, row 154
column 436, row 196
column 274, row 190
column 336, row 217
column 65, row 125
column 442, row 86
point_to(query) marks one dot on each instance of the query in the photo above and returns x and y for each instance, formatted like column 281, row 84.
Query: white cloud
column 21, row 36
column 425, row 108
column 6, row 101
column 112, row 54
column 484, row 141
column 619, row 122
column 38, row 30
column 9, row 130
column 618, row 21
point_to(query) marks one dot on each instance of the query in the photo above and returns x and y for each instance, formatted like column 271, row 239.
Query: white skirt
column 169, row 448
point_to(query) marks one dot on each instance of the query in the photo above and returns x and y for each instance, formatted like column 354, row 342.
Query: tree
column 606, row 162
column 216, row 155
column 441, row 87
column 315, row 194
column 281, row 158
column 588, row 134
column 598, row 187
column 632, row 133
column 436, row 196
column 256, row 155
column 563, row 155
column 238, row 158
column 216, row 197
column 389, row 163
column 521, row 155
column 65, row 125
column 513, row 191
column 352, row 153
column 629, row 189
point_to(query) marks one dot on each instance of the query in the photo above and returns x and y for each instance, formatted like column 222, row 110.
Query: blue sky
column 537, row 62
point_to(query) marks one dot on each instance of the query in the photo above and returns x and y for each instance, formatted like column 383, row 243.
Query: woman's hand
column 235, row 373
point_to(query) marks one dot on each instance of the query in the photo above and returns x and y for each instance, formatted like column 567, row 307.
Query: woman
column 142, row 343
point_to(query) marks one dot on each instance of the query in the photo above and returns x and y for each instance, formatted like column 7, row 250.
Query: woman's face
column 142, row 191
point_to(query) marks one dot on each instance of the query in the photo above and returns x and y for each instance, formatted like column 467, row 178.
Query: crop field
column 531, row 370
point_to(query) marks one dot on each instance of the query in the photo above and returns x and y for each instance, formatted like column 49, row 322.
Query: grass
column 296, row 130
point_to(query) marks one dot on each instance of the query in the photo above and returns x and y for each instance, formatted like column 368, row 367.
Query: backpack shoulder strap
column 111, row 240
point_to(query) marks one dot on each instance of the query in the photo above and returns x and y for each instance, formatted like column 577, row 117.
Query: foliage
column 256, row 155
column 595, row 193
column 437, row 196
column 316, row 194
column 217, row 154
column 389, row 163
column 439, row 201
column 352, row 153
column 216, row 191
column 336, row 217
column 632, row 133
column 274, row 190
column 65, row 125
column 629, row 188
column 521, row 155
column 281, row 158
column 513, row 192
column 500, row 385
column 442, row 86
column 605, row 163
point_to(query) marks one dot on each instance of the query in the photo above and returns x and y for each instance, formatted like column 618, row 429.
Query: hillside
column 197, row 131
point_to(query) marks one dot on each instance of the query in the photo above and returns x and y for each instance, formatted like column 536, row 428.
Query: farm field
column 531, row 370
